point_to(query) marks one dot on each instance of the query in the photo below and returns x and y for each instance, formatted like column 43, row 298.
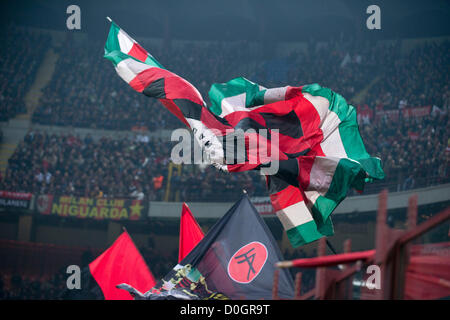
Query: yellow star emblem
column 136, row 209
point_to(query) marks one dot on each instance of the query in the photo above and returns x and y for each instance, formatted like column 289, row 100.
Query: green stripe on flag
column 112, row 42
column 337, row 102
column 118, row 56
column 306, row 233
column 219, row 91
column 153, row 62
column 354, row 146
column 114, row 53
column 348, row 174
column 348, row 130
column 258, row 98
column 321, row 211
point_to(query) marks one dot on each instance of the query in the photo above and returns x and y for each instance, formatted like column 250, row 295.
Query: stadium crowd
column 86, row 92
column 67, row 164
column 18, row 67
column 63, row 164
column 418, row 79
column 414, row 151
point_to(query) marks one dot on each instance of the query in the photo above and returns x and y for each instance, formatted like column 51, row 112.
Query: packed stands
column 402, row 100
column 403, row 117
column 21, row 54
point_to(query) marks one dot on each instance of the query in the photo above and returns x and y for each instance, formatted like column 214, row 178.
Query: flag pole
column 109, row 19
column 330, row 246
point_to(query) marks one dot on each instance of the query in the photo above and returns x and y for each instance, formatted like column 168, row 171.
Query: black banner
column 15, row 200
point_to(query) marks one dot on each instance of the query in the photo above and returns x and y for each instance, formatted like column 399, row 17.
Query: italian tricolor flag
column 119, row 41
column 312, row 183
column 146, row 75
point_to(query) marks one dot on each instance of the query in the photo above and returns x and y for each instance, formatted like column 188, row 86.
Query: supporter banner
column 100, row 209
column 389, row 114
column 17, row 200
column 263, row 205
column 416, row 112
column 364, row 114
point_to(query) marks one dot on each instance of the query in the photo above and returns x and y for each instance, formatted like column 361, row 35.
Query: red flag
column 190, row 233
column 121, row 263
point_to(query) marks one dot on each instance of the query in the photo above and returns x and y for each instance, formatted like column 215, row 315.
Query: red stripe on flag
column 311, row 136
column 305, row 165
column 293, row 92
column 316, row 151
column 178, row 88
column 210, row 121
column 175, row 87
column 172, row 107
column 236, row 116
column 146, row 77
column 138, row 52
column 286, row 197
column 310, row 121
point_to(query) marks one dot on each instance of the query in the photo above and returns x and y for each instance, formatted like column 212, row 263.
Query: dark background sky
column 290, row 20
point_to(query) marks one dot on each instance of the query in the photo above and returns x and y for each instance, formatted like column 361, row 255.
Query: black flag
column 235, row 260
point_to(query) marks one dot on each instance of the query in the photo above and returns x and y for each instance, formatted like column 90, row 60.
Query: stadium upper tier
column 390, row 75
column 401, row 91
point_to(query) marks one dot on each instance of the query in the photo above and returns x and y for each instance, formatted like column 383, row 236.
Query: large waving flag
column 190, row 233
column 146, row 75
column 324, row 152
column 310, row 131
column 235, row 260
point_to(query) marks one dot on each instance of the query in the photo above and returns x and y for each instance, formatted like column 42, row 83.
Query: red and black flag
column 305, row 139
column 235, row 260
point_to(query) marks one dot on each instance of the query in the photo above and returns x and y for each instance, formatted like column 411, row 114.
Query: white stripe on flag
column 312, row 197
column 128, row 69
column 234, row 103
column 275, row 94
column 125, row 41
column 320, row 103
column 332, row 143
column 322, row 173
column 214, row 150
column 333, row 146
column 294, row 215
column 329, row 124
column 261, row 88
